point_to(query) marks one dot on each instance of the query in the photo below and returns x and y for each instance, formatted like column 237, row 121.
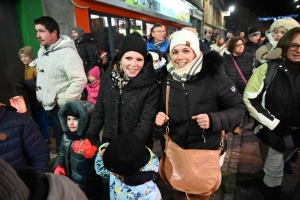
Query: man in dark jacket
column 85, row 48
column 21, row 143
column 253, row 35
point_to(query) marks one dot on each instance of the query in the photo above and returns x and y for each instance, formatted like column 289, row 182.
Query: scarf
column 73, row 135
column 185, row 73
column 117, row 76
column 157, row 44
column 94, row 84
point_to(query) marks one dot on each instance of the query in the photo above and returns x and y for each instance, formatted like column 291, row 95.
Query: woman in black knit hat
column 128, row 99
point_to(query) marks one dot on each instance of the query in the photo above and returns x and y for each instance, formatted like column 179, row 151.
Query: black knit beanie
column 133, row 43
column 70, row 112
column 125, row 155
column 252, row 31
column 11, row 186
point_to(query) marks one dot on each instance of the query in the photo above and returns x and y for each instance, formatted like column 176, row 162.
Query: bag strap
column 167, row 99
column 239, row 70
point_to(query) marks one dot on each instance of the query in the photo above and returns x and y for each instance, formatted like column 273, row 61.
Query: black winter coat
column 86, row 52
column 246, row 63
column 211, row 92
column 251, row 47
column 127, row 111
column 24, row 145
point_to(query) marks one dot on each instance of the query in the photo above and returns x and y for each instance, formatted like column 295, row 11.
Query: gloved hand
column 76, row 146
column 60, row 170
column 274, row 54
column 260, row 52
column 88, row 149
column 282, row 129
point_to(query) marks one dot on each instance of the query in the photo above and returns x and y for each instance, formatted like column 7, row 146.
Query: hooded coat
column 131, row 111
column 78, row 168
column 210, row 91
column 61, row 76
column 120, row 191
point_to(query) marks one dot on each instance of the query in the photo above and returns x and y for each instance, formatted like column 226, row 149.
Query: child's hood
column 153, row 163
column 83, row 108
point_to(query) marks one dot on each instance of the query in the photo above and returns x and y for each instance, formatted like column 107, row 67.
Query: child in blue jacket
column 130, row 168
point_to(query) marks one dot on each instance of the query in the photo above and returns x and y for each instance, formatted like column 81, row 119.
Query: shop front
column 109, row 21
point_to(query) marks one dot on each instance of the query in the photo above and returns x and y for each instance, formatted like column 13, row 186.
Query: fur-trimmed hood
column 83, row 108
column 213, row 63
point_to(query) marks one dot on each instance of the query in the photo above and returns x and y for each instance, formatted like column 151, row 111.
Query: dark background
column 273, row 7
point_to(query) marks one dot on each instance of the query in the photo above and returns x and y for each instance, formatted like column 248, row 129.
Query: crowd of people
column 196, row 89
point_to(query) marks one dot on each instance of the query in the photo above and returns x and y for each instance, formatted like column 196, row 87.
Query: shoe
column 272, row 193
column 237, row 131
column 289, row 168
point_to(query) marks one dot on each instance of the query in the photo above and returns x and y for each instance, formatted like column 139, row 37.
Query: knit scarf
column 157, row 44
column 94, row 83
column 185, row 73
column 117, row 76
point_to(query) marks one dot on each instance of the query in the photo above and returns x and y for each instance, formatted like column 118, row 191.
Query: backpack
column 271, row 73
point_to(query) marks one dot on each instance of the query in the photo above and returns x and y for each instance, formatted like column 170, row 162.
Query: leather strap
column 239, row 70
column 167, row 99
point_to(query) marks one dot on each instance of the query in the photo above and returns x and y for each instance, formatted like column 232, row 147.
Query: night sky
column 273, row 7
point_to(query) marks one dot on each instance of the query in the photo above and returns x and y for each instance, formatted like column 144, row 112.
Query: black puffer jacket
column 21, row 142
column 86, row 52
column 211, row 92
column 251, row 47
column 78, row 168
column 246, row 63
column 132, row 112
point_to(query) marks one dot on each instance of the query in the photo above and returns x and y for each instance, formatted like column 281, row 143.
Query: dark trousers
column 58, row 129
column 39, row 116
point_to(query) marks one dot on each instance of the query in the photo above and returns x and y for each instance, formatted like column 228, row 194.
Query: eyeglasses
column 293, row 47
column 159, row 32
column 238, row 45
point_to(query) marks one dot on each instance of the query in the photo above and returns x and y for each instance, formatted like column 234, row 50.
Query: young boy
column 130, row 168
column 93, row 86
column 71, row 161
column 277, row 30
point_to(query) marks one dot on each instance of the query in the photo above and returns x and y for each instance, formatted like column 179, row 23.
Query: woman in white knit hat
column 203, row 100
column 274, row 34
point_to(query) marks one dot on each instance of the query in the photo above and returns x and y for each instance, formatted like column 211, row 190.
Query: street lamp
column 231, row 8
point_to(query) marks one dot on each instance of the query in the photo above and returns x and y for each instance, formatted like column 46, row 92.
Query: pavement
column 241, row 172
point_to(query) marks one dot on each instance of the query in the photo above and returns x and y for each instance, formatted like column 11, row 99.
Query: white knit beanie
column 187, row 38
column 287, row 23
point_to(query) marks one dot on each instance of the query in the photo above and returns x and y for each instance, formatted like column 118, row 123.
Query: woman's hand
column 161, row 119
column 202, row 120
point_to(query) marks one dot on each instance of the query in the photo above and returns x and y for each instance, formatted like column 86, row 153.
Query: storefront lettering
column 142, row 2
column 154, row 4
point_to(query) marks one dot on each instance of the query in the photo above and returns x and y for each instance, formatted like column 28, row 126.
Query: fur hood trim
column 213, row 63
column 83, row 108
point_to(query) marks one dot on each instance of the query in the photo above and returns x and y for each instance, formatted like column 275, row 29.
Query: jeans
column 58, row 129
column 39, row 116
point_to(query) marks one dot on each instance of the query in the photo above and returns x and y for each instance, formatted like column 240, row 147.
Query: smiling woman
column 128, row 98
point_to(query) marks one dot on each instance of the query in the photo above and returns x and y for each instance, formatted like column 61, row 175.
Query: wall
column 28, row 10
column 63, row 12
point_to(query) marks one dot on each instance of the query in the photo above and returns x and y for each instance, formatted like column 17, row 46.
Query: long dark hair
column 286, row 39
column 151, row 38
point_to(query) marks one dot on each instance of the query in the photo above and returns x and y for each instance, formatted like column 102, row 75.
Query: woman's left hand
column 202, row 120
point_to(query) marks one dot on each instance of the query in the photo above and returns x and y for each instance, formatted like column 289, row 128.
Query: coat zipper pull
column 204, row 135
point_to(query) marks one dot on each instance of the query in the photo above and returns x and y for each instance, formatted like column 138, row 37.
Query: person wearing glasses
column 276, row 110
column 246, row 64
column 157, row 38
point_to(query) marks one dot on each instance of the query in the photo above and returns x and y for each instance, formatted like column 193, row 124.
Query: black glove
column 282, row 129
